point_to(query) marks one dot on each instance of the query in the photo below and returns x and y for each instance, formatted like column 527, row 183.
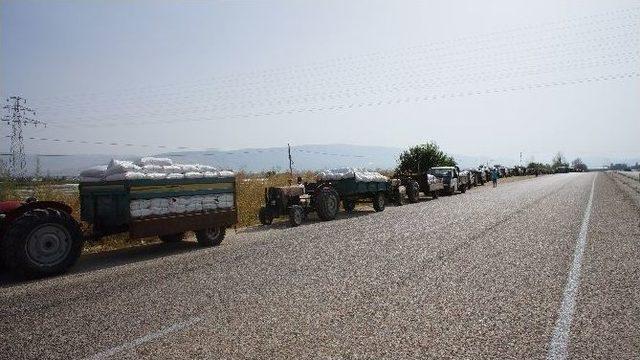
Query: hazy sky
column 487, row 78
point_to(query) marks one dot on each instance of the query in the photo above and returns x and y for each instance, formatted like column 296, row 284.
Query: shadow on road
column 283, row 222
column 113, row 258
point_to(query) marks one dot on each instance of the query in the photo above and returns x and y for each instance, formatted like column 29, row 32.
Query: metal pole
column 290, row 161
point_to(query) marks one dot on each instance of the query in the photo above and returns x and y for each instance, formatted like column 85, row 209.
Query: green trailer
column 351, row 191
column 108, row 207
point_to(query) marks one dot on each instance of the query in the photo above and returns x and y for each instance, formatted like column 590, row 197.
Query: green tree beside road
column 422, row 157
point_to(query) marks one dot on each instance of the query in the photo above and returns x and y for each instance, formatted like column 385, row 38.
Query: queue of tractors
column 40, row 238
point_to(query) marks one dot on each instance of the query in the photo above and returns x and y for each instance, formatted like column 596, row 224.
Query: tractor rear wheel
column 327, row 202
column 172, row 238
column 379, row 202
column 265, row 216
column 349, row 205
column 211, row 236
column 296, row 215
column 413, row 192
column 42, row 242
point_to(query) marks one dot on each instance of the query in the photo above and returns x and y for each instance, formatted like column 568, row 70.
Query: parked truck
column 420, row 183
column 451, row 178
column 40, row 238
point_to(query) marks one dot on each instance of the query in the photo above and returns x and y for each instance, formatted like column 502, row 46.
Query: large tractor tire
column 265, row 216
column 42, row 242
column 379, row 202
column 413, row 192
column 172, row 238
column 211, row 236
column 349, row 205
column 296, row 215
column 327, row 202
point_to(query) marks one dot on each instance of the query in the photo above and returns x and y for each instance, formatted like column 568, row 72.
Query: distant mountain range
column 304, row 157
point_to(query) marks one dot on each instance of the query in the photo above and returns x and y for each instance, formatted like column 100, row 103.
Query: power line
column 614, row 15
column 415, row 85
column 414, row 99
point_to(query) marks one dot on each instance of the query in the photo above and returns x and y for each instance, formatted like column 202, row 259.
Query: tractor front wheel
column 42, row 242
column 296, row 215
column 413, row 192
column 265, row 216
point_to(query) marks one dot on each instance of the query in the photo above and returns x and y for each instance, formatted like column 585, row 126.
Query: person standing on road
column 494, row 177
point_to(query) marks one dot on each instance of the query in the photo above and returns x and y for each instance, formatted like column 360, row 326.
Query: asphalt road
column 546, row 267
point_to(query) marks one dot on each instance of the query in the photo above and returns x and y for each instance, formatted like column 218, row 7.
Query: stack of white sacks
column 431, row 179
column 149, row 168
column 180, row 205
column 162, row 168
column 348, row 173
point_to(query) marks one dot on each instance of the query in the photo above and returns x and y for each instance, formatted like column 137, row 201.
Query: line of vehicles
column 324, row 196
column 41, row 238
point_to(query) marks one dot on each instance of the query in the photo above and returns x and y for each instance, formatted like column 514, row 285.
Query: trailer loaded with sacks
column 332, row 187
column 39, row 238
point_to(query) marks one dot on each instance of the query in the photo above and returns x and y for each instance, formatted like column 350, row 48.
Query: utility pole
column 37, row 174
column 290, row 162
column 520, row 158
column 16, row 117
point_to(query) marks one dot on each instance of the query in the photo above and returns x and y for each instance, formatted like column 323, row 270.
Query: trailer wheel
column 265, row 216
column 296, row 215
column 211, row 236
column 434, row 194
column 349, row 205
column 327, row 204
column 379, row 202
column 172, row 238
column 413, row 192
column 42, row 242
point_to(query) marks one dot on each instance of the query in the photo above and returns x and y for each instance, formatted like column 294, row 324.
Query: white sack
column 140, row 213
column 188, row 168
column 131, row 175
column 172, row 169
column 204, row 168
column 175, row 176
column 121, row 167
column 155, row 161
column 94, row 172
column 147, row 169
column 193, row 175
column 349, row 173
column 139, row 204
column 156, row 176
column 225, row 173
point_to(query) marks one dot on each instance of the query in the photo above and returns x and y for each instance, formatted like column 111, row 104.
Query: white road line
column 141, row 340
column 558, row 346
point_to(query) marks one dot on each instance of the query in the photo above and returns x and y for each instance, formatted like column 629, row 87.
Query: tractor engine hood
column 9, row 205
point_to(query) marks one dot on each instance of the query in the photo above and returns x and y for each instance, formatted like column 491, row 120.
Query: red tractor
column 38, row 238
